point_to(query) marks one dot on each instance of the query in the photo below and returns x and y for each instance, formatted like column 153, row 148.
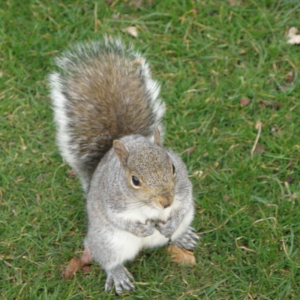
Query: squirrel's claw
column 109, row 283
column 117, row 277
column 143, row 230
column 188, row 240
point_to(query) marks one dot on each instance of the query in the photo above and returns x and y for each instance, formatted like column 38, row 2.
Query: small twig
column 242, row 247
column 96, row 20
column 285, row 248
column 258, row 126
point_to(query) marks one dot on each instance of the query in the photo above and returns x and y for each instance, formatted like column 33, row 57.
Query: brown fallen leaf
column 277, row 131
column 295, row 196
column 189, row 150
column 259, row 149
column 244, row 101
column 226, row 197
column 38, row 198
column 290, row 77
column 288, row 117
column 213, row 12
column 136, row 4
column 132, row 30
column 116, row 16
column 73, row 266
column 72, row 172
column 293, row 37
column 109, row 2
column 289, row 80
column 290, row 179
column 86, row 268
column 181, row 256
column 271, row 104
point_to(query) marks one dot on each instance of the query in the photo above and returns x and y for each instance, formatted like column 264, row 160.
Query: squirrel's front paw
column 118, row 277
column 166, row 229
column 143, row 230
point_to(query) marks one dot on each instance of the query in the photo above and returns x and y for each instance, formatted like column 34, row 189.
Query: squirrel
column 109, row 130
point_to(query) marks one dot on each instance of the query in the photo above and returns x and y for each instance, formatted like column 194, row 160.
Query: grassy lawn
column 224, row 66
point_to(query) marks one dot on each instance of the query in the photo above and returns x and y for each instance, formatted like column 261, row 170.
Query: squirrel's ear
column 157, row 136
column 121, row 151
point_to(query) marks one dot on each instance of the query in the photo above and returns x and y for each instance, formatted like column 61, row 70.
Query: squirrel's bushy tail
column 103, row 91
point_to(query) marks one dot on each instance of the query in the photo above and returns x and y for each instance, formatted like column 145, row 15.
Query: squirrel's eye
column 174, row 170
column 135, row 181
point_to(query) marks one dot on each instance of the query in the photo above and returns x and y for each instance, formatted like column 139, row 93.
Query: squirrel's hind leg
column 188, row 240
column 118, row 277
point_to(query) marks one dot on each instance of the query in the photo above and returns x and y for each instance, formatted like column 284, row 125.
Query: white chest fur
column 130, row 245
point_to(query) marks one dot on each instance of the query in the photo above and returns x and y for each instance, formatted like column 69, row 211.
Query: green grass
column 207, row 55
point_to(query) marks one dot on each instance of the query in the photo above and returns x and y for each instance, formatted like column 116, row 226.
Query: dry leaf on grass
column 226, row 197
column 116, row 16
column 72, row 172
column 197, row 173
column 289, row 80
column 132, row 30
column 277, row 131
column 188, row 150
column 137, row 4
column 288, row 117
column 109, row 2
column 290, row 179
column 244, row 101
column 270, row 104
column 259, row 149
column 73, row 266
column 293, row 37
column 181, row 256
column 290, row 76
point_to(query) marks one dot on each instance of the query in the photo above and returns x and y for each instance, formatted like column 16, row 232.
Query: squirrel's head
column 149, row 170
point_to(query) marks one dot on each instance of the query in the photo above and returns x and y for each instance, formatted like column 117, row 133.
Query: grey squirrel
column 109, row 124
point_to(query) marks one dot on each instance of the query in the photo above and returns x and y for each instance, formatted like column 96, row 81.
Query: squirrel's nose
column 165, row 201
column 165, row 204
